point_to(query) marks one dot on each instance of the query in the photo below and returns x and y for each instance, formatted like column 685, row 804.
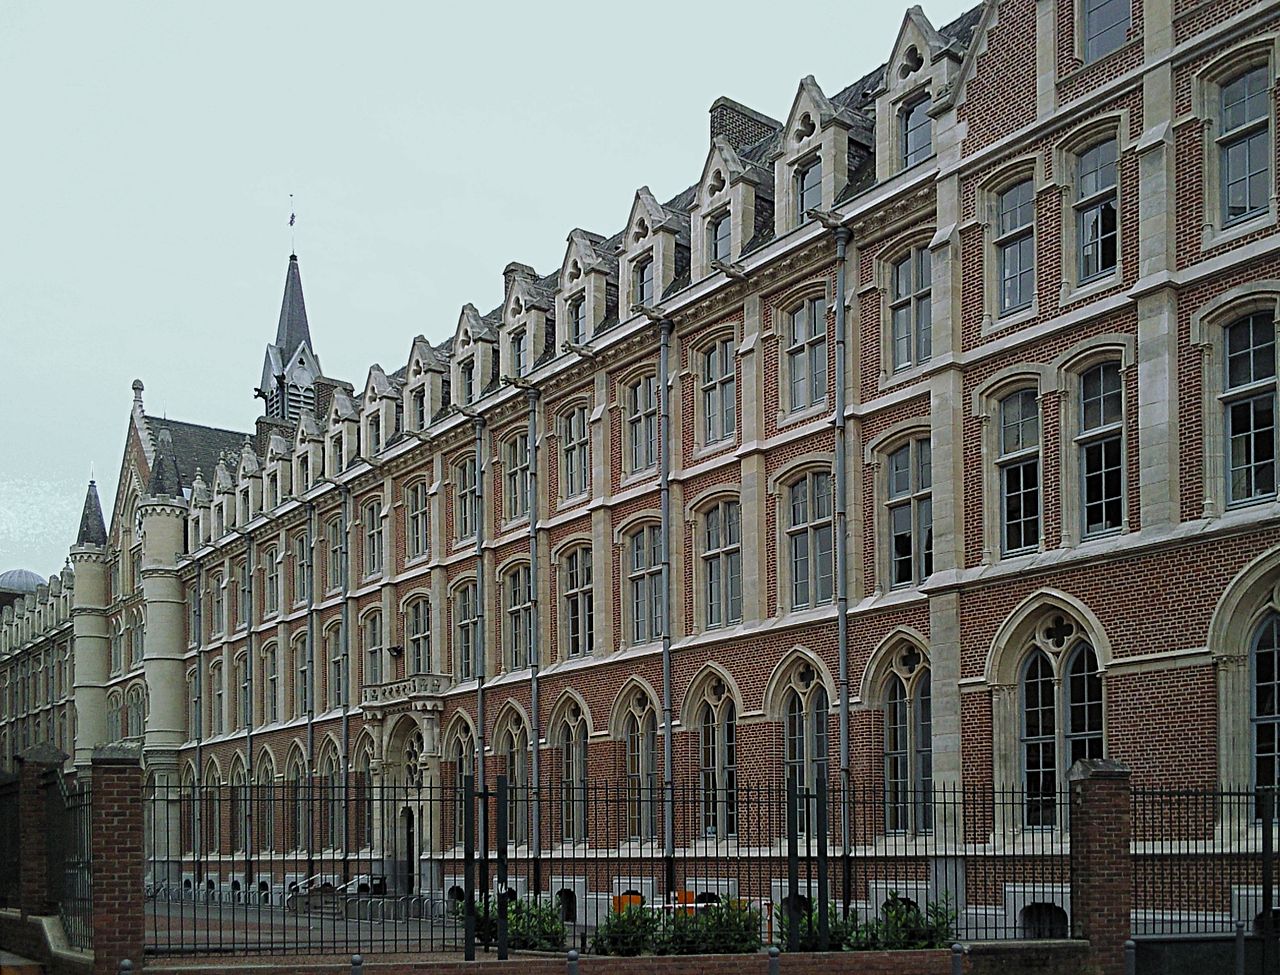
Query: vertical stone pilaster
column 115, row 831
column 1101, row 865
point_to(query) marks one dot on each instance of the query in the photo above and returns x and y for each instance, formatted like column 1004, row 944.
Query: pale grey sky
column 150, row 150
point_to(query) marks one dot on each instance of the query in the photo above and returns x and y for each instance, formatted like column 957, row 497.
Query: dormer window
column 339, row 453
column 808, row 187
column 375, row 433
column 420, row 409
column 304, row 473
column 642, row 281
column 917, row 132
column 719, row 237
column 468, row 372
column 519, row 354
column 578, row 321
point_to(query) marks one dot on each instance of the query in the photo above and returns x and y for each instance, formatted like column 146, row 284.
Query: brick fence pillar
column 37, row 767
column 116, row 830
column 1101, row 865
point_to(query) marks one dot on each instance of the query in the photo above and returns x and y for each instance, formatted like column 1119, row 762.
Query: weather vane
column 293, row 216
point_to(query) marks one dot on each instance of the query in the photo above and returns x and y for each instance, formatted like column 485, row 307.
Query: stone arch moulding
column 796, row 658
column 695, row 693
column 1005, row 654
column 618, row 710
column 881, row 662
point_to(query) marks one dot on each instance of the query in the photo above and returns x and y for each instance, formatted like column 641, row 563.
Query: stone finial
column 68, row 575
column 137, row 393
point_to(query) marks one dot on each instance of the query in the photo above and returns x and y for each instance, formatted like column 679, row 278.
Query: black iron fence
column 327, row 866
column 70, row 856
column 9, row 840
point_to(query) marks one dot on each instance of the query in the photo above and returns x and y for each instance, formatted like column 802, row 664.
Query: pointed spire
column 292, row 330
column 166, row 480
column 93, row 530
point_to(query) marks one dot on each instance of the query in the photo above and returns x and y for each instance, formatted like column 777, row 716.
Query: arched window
column 301, row 679
column 418, row 627
column 271, row 582
column 910, row 308
column 1250, row 403
column 270, row 684
column 298, row 828
column 213, row 810
column 642, row 422
column 1019, row 465
column 462, row 757
column 518, row 588
column 217, row 685
column 466, row 623
column 722, row 563
column 265, row 818
column 515, row 750
column 718, row 753
column 809, row 538
column 644, row 547
column 909, row 503
column 575, row 451
column 908, row 751
column 133, row 713
column 365, row 803
column 1266, row 701
column 1061, row 707
column 573, row 776
column 805, row 707
column 578, row 595
column 334, row 668
column 719, row 392
column 640, row 733
column 373, row 550
column 806, row 353
column 334, row 808
column 467, row 499
column 1101, row 446
column 371, row 631
column 239, row 796
column 418, row 520
column 515, row 458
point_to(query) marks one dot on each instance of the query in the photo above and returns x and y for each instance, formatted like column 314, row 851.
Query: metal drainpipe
column 248, row 716
column 664, row 492
column 535, row 660
column 198, row 723
column 345, row 625
column 481, row 493
column 842, row 235
column 311, row 680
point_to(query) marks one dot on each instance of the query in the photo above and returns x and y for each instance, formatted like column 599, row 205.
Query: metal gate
column 70, row 856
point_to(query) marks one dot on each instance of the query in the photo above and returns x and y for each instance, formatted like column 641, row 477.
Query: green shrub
column 839, row 929
column 535, row 926
column 679, row 934
column 630, row 932
column 729, row 929
column 904, row 926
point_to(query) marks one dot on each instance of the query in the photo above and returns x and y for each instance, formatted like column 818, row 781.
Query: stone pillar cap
column 1098, row 768
column 118, row 754
column 43, row 753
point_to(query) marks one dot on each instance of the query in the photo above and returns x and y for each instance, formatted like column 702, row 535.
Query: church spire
column 290, row 366
column 93, row 530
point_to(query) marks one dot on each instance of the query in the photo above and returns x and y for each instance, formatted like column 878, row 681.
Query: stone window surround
column 362, row 630
column 269, row 657
column 454, row 595
column 902, row 102
column 885, row 662
column 623, row 385
column 986, row 215
column 433, row 664
column 1208, row 333
column 695, row 524
column 507, row 454
column 779, row 487
column 889, row 255
column 1078, row 39
column 563, row 414
column 366, row 503
column 782, row 306
column 1206, row 104
column 574, row 543
column 454, row 484
column 694, row 374
column 505, row 575
column 1066, row 152
column 423, row 482
column 622, row 538
column 875, row 457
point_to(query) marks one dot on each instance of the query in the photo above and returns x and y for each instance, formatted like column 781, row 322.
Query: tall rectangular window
column 917, row 132
column 1244, row 145
column 271, row 582
column 1016, row 246
column 375, row 433
column 467, row 628
column 519, row 591
column 467, row 372
column 373, row 538
column 719, row 238
column 467, row 498
column 722, row 563
column 418, row 632
column 419, row 409
column 1106, row 22
column 1019, row 465
column 911, row 309
column 1096, row 210
column 807, row 353
column 579, row 608
column 645, row 579
column 808, row 187
column 373, row 648
column 217, row 606
column 1100, row 443
column 300, row 554
column 1250, row 403
column 642, row 423
column 809, row 537
column 242, row 595
column 576, row 452
column 642, row 281
column 516, row 476
column 333, row 564
column 578, row 321
column 910, row 513
column 417, row 520
column 719, row 392
column 519, row 353
column 271, row 685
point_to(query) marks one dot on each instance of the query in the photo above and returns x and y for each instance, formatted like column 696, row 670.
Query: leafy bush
column 904, row 926
column 729, row 929
column 630, row 932
column 535, row 926
column 839, row 930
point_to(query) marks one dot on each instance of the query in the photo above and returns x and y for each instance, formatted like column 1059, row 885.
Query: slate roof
column 195, row 446
column 93, row 529
column 293, row 329
column 165, row 481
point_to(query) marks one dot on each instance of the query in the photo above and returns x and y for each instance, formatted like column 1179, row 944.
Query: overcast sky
column 150, row 150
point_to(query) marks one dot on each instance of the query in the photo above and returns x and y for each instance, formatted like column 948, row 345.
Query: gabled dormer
column 474, row 343
column 199, row 512
column 379, row 405
column 582, row 300
column 923, row 65
column 811, row 166
column 278, row 477
column 424, row 383
column 527, row 310
column 308, row 453
column 248, row 485
column 342, row 439
column 224, row 498
column 649, row 257
column 723, row 215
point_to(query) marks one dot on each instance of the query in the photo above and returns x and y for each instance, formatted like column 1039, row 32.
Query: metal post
column 535, row 654
column 501, row 799
column 793, row 868
column 125, row 966
column 357, row 965
column 664, row 491
column 1267, row 813
column 469, row 868
column 1130, row 957
column 1239, row 948
column 957, row 959
column 824, row 907
column 571, row 962
column 481, row 650
column 840, row 474
column 775, row 960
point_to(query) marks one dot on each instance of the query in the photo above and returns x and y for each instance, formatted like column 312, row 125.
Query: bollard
column 126, row 966
column 1239, row 948
column 775, row 960
column 357, row 965
column 957, row 959
column 571, row 962
column 1130, row 957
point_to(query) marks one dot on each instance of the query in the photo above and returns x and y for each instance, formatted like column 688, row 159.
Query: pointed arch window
column 804, row 708
column 1265, row 651
column 908, row 749
column 238, row 793
column 718, row 762
column 334, row 804
column 515, row 750
column 573, row 776
column 463, row 759
column 266, row 815
column 298, row 828
column 640, row 734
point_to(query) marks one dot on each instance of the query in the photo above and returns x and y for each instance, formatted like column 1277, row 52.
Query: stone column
column 117, row 852
column 164, row 641
column 91, row 657
column 38, row 767
column 1101, row 865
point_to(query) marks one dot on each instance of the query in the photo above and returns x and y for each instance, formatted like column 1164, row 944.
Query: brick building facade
column 928, row 438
